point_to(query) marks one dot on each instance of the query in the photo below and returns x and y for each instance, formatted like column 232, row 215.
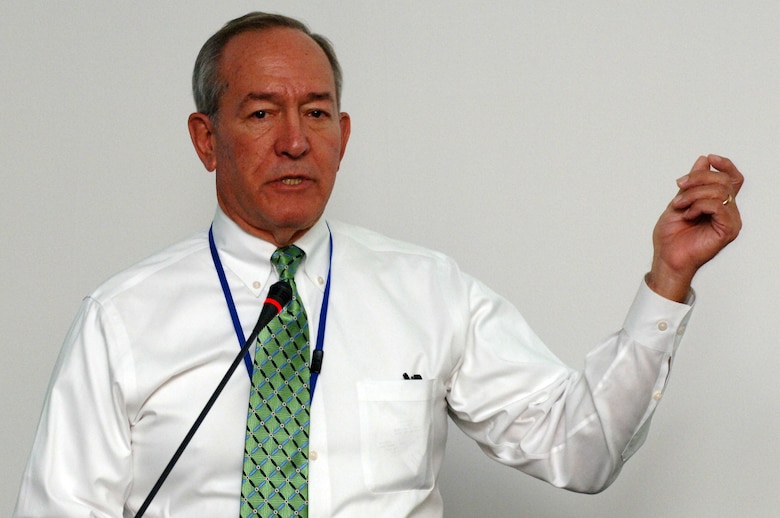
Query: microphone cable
column 279, row 295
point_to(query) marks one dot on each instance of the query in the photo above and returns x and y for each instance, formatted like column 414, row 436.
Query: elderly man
column 341, row 406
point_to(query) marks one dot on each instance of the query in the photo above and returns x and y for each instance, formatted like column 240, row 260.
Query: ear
column 346, row 127
column 202, row 135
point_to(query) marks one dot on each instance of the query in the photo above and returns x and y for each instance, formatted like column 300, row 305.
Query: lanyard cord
column 316, row 364
column 317, row 355
column 229, row 300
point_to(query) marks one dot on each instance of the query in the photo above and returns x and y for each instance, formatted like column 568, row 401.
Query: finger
column 699, row 178
column 724, row 165
column 707, row 191
column 726, row 220
column 725, row 172
column 702, row 162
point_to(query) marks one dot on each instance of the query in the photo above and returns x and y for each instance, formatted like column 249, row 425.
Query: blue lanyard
column 317, row 355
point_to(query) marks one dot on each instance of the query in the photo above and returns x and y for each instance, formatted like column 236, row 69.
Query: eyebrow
column 270, row 96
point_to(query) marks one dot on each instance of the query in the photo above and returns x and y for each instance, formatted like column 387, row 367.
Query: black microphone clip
column 316, row 360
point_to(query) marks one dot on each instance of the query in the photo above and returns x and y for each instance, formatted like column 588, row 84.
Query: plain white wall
column 554, row 130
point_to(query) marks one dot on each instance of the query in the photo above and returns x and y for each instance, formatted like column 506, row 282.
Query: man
column 408, row 339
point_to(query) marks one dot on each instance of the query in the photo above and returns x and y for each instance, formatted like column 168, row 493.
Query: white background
column 548, row 132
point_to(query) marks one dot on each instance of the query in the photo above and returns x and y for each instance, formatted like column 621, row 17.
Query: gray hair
column 208, row 86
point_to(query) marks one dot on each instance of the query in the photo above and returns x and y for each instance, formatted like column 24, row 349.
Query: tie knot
column 286, row 260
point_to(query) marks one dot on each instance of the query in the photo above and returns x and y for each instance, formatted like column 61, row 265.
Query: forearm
column 575, row 429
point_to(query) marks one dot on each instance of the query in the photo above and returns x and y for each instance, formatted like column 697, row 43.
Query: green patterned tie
column 276, row 456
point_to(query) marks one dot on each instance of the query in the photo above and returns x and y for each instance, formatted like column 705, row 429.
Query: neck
column 278, row 236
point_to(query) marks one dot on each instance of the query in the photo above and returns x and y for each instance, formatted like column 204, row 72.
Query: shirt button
column 256, row 285
column 681, row 330
column 313, row 455
column 658, row 395
column 320, row 280
column 663, row 325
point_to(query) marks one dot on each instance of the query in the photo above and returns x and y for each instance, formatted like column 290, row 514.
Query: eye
column 318, row 114
column 260, row 114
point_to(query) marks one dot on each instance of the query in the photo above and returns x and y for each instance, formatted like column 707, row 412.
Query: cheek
column 237, row 156
column 240, row 164
column 330, row 158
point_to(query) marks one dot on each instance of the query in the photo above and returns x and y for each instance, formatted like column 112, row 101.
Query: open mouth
column 291, row 181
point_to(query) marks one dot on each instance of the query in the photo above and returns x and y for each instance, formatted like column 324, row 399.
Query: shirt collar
column 249, row 257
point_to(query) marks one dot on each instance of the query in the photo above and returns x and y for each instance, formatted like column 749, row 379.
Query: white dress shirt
column 149, row 346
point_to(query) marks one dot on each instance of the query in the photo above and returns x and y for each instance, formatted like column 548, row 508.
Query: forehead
column 279, row 57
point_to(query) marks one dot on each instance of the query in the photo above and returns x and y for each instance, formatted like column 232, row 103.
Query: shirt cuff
column 657, row 322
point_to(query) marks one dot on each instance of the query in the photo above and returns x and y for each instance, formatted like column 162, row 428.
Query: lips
column 292, row 181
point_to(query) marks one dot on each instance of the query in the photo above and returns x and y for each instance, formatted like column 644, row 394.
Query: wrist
column 669, row 283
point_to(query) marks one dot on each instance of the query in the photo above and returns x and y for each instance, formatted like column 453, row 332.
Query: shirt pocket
column 396, row 434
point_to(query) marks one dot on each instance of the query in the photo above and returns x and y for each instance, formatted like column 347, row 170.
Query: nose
column 292, row 140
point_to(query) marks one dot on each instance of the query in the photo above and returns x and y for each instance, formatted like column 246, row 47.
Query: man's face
column 278, row 139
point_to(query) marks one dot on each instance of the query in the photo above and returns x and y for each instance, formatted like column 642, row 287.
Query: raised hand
column 697, row 224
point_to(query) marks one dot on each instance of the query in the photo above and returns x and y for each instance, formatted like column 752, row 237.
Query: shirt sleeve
column 80, row 465
column 574, row 429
